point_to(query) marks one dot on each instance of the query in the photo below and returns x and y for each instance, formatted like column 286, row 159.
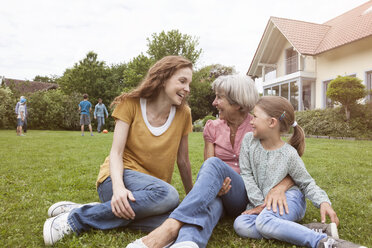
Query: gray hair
column 239, row 89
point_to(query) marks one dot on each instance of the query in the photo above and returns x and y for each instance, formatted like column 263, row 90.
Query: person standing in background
column 21, row 116
column 85, row 107
column 99, row 114
column 25, row 114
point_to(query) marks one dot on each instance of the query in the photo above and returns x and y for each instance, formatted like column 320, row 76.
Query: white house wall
column 354, row 58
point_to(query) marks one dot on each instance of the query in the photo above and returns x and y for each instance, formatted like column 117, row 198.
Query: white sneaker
column 139, row 244
column 56, row 228
column 337, row 243
column 185, row 244
column 329, row 229
column 64, row 207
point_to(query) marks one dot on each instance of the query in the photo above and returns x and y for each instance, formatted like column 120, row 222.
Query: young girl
column 265, row 159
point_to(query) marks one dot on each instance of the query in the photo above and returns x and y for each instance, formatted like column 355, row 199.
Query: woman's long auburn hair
column 156, row 76
column 275, row 106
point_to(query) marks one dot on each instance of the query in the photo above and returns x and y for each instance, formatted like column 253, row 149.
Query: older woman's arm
column 183, row 163
column 208, row 150
column 276, row 196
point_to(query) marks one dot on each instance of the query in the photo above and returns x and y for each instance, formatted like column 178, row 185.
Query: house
column 297, row 59
column 23, row 87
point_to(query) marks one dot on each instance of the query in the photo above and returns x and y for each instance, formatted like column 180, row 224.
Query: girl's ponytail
column 297, row 140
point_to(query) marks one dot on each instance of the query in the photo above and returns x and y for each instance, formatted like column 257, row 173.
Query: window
column 369, row 84
column 275, row 90
column 291, row 61
column 294, row 95
column 328, row 103
column 284, row 90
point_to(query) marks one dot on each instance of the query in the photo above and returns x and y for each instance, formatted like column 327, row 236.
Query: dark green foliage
column 136, row 71
column 8, row 117
column 332, row 122
column 173, row 43
column 201, row 93
column 346, row 91
column 46, row 79
column 94, row 78
column 53, row 110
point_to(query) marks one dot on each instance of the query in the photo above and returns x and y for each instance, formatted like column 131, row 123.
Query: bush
column 7, row 104
column 332, row 122
column 198, row 125
column 53, row 110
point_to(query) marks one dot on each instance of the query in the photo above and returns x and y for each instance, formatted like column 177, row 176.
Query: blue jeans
column 202, row 208
column 272, row 225
column 101, row 122
column 154, row 201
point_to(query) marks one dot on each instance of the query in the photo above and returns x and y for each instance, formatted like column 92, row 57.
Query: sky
column 45, row 37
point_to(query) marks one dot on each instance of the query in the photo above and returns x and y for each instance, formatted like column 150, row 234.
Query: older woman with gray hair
column 219, row 187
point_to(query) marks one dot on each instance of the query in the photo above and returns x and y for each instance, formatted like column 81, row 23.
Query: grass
column 49, row 166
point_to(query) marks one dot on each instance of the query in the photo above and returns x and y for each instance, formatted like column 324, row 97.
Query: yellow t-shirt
column 145, row 152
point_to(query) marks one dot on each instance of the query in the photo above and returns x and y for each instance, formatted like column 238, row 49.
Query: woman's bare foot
column 164, row 234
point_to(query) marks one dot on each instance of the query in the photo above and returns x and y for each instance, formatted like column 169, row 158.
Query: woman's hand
column 276, row 197
column 225, row 187
column 257, row 210
column 326, row 209
column 120, row 205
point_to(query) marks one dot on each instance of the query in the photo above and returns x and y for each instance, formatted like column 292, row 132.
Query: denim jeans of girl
column 272, row 225
column 154, row 201
column 202, row 208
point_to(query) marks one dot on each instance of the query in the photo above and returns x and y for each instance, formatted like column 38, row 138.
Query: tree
column 92, row 77
column 136, row 71
column 46, row 79
column 201, row 93
column 346, row 91
column 173, row 43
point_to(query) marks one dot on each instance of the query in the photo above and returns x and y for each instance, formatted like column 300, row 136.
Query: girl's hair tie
column 282, row 116
column 294, row 124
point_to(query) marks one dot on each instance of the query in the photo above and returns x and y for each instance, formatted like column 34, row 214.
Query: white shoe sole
column 47, row 233
column 185, row 244
column 334, row 231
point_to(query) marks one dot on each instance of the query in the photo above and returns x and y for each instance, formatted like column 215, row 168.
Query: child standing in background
column 265, row 159
column 21, row 116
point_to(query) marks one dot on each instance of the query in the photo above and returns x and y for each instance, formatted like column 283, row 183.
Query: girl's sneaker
column 337, row 243
column 64, row 207
column 329, row 229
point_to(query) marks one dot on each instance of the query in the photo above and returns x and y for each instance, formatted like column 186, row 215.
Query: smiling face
column 225, row 109
column 260, row 123
column 177, row 87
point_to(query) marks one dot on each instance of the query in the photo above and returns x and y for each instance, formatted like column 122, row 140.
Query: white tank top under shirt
column 157, row 131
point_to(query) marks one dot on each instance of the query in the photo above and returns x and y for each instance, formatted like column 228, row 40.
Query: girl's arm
column 183, row 163
column 313, row 192
column 254, row 193
column 119, row 202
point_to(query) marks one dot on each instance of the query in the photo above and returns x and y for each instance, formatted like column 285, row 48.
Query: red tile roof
column 311, row 38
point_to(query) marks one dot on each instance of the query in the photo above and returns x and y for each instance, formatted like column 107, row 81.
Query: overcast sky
column 45, row 37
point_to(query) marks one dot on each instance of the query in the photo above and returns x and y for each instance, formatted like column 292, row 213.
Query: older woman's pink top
column 218, row 133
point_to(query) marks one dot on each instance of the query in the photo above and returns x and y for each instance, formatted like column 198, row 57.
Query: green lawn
column 49, row 166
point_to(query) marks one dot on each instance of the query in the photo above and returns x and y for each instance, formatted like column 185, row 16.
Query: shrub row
column 52, row 110
column 332, row 122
